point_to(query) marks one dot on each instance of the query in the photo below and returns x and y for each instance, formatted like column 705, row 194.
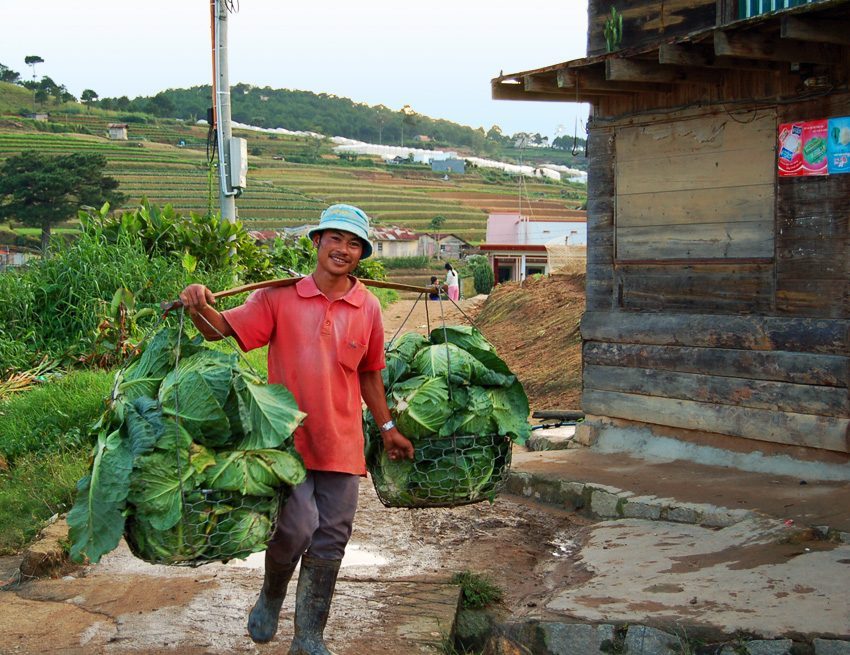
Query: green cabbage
column 461, row 406
column 171, row 438
column 447, row 359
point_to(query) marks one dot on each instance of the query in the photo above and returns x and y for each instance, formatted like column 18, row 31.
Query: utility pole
column 232, row 153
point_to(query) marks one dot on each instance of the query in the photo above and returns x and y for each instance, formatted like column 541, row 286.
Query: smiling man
column 326, row 344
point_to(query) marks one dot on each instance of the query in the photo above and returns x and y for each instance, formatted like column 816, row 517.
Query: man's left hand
column 396, row 445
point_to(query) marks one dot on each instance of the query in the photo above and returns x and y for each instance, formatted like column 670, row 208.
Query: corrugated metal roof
column 392, row 233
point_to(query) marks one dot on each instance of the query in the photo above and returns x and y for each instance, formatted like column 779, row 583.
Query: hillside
column 535, row 329
column 336, row 116
column 290, row 178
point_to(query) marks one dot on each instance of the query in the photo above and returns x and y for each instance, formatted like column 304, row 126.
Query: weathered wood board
column 710, row 288
column 781, row 366
column 725, row 240
column 721, row 390
column 794, row 429
column 813, row 245
column 696, row 188
column 646, row 21
column 803, row 335
column 600, row 219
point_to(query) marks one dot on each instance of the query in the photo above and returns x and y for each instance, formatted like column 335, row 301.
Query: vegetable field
column 290, row 179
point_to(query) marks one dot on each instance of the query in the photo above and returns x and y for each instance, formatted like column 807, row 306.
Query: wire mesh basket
column 445, row 472
column 213, row 526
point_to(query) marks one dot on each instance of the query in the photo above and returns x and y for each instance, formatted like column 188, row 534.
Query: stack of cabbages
column 190, row 458
column 461, row 406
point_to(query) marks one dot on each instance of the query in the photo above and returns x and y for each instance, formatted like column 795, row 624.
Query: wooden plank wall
column 756, row 347
column 600, row 219
column 647, row 21
column 770, row 379
column 813, row 231
column 696, row 189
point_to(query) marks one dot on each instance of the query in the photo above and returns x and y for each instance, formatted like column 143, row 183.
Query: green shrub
column 371, row 269
column 55, row 416
column 37, row 487
column 54, row 306
column 482, row 273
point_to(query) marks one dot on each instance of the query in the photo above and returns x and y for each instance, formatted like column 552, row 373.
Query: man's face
column 338, row 252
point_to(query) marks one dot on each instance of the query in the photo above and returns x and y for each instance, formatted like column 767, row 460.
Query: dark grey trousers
column 316, row 519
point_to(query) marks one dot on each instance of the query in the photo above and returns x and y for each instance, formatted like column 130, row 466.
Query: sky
column 437, row 57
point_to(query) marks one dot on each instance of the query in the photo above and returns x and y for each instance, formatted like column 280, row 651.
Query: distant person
column 452, row 282
column 435, row 292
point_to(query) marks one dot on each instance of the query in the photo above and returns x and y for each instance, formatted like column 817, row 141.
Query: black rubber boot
column 262, row 621
column 316, row 584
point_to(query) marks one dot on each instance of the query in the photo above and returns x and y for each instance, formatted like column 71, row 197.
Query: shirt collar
column 356, row 296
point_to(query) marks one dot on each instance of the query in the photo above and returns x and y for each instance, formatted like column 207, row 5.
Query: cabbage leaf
column 96, row 521
column 421, row 406
column 255, row 472
column 268, row 413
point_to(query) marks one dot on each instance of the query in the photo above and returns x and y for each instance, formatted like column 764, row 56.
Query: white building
column 519, row 245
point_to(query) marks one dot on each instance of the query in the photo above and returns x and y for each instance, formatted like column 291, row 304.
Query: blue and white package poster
column 838, row 145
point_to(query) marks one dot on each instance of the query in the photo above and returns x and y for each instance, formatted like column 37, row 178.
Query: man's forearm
column 211, row 324
column 372, row 390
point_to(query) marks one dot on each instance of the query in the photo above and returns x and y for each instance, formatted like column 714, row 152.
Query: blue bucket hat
column 346, row 218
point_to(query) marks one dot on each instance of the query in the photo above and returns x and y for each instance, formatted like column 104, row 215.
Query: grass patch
column 38, row 486
column 407, row 262
column 53, row 417
column 478, row 590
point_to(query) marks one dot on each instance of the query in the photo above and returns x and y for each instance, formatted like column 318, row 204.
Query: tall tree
column 408, row 118
column 31, row 61
column 88, row 96
column 41, row 190
column 8, row 75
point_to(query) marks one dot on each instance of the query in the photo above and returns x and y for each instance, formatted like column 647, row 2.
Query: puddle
column 354, row 556
column 562, row 546
column 358, row 556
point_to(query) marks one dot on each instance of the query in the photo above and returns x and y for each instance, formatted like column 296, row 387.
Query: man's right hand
column 199, row 301
column 196, row 298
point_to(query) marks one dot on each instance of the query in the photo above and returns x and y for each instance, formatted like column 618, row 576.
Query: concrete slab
column 711, row 495
column 745, row 577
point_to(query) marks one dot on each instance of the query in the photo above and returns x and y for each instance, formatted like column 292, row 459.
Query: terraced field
column 282, row 193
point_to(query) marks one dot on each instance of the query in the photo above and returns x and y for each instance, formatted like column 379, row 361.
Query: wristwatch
column 389, row 425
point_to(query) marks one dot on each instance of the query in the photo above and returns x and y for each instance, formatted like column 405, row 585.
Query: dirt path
column 425, row 315
column 395, row 566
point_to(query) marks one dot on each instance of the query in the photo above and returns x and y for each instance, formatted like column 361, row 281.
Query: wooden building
column 718, row 275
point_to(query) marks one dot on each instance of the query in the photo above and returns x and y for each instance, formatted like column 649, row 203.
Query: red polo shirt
column 317, row 348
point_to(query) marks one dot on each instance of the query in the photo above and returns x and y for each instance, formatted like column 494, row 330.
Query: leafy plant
column 478, row 591
column 371, row 269
column 482, row 273
column 119, row 333
column 190, row 454
column 613, row 30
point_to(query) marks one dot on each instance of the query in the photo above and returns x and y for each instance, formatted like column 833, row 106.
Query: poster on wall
column 838, row 145
column 802, row 148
